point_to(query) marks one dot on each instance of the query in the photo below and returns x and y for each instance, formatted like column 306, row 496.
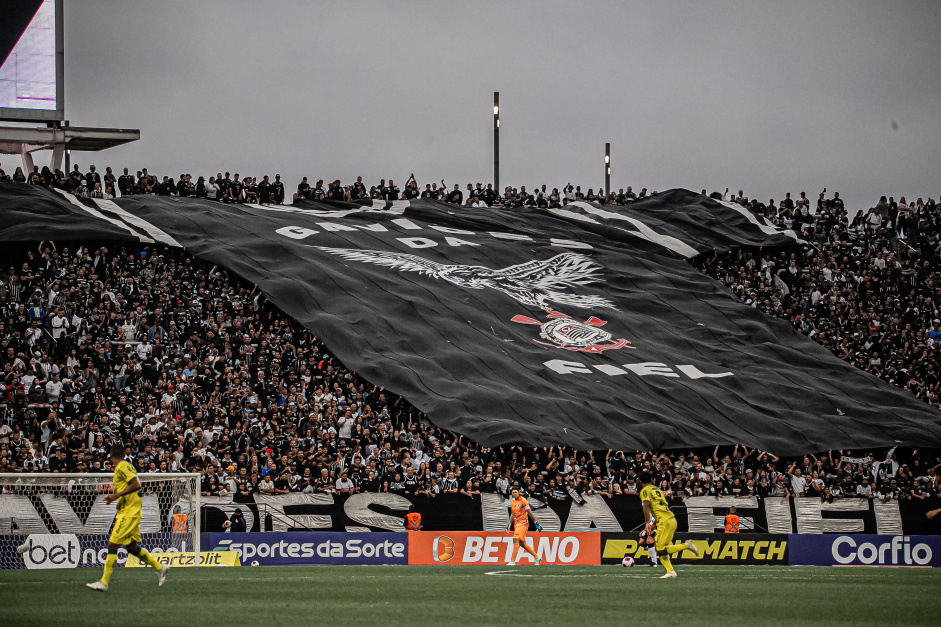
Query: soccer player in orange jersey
column 521, row 514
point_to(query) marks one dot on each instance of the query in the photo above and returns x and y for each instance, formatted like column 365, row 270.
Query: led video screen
column 30, row 72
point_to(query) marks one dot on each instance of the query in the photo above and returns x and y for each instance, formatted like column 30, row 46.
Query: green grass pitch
column 416, row 596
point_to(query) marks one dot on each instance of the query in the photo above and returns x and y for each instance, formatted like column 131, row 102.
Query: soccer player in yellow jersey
column 126, row 529
column 521, row 515
column 655, row 504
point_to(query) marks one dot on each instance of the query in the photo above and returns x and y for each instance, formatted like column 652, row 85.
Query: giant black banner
column 584, row 326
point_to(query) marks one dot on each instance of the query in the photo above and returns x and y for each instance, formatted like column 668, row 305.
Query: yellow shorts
column 519, row 532
column 126, row 530
column 665, row 530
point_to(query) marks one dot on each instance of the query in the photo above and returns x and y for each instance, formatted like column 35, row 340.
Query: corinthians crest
column 563, row 331
column 535, row 283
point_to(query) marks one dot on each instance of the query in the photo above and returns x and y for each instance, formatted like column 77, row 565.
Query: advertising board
column 312, row 548
column 714, row 548
column 69, row 550
column 462, row 548
column 865, row 550
column 186, row 560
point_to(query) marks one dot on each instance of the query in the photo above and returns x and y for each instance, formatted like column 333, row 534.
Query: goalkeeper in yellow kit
column 656, row 504
column 126, row 531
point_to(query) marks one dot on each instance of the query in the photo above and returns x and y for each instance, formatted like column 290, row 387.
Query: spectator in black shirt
column 277, row 190
column 318, row 192
column 264, row 191
column 233, row 192
column 91, row 178
column 236, row 522
column 359, row 189
column 336, row 191
column 303, row 189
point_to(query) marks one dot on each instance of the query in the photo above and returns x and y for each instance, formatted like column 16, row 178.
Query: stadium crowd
column 192, row 369
column 234, row 188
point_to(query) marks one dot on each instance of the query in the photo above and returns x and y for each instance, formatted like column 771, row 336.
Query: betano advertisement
column 464, row 548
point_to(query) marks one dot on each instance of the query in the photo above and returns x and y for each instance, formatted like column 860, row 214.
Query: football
column 627, row 562
column 22, row 548
column 254, row 562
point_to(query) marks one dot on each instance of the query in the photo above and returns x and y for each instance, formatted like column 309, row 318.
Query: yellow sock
column 109, row 566
column 665, row 560
column 676, row 548
column 146, row 557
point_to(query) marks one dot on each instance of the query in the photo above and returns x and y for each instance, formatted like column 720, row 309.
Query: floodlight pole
column 68, row 154
column 607, row 171
column 496, row 142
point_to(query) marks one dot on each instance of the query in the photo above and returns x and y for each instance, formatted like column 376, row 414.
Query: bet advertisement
column 69, row 550
column 714, row 548
column 295, row 548
column 468, row 548
column 865, row 550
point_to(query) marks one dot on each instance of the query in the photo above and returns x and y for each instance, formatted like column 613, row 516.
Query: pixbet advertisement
column 461, row 548
column 865, row 550
column 312, row 548
column 714, row 548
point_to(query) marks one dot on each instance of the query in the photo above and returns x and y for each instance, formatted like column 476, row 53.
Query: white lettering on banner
column 395, row 208
column 695, row 373
column 98, row 520
column 568, row 243
column 450, row 230
column 280, row 521
column 648, row 368
column 592, row 515
column 300, row 232
column 490, row 550
column 454, row 241
column 473, row 549
column 510, row 236
column 296, row 232
column 333, row 227
column 845, row 551
column 22, row 514
column 644, row 369
column 375, row 228
column 357, row 508
column 478, row 549
column 352, row 549
column 417, row 242
column 52, row 550
column 406, row 224
column 566, row 367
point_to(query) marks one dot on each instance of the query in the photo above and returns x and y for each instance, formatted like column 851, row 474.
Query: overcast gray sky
column 764, row 96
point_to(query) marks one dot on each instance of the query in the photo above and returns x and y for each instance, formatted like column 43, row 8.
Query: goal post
column 61, row 520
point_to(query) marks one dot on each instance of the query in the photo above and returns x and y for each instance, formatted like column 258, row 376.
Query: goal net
column 61, row 520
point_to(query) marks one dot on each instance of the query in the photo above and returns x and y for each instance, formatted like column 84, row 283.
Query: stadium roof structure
column 23, row 141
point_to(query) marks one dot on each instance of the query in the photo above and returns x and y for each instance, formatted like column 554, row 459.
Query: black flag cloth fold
column 583, row 326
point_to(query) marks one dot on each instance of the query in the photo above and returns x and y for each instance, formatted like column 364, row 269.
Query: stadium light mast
column 607, row 170
column 496, row 142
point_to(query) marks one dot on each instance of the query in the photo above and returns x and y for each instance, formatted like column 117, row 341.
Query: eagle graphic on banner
column 534, row 283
